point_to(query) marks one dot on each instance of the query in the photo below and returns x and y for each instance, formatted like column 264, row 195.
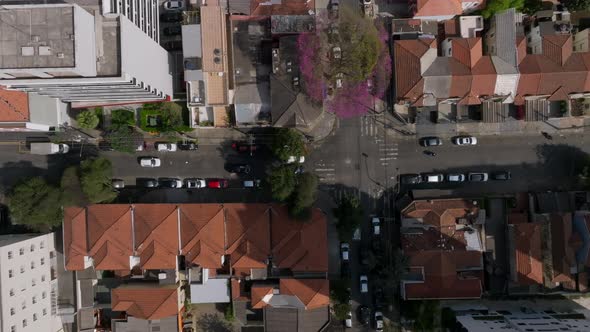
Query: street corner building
column 156, row 258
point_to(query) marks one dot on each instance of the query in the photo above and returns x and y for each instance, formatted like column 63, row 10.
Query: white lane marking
column 324, row 169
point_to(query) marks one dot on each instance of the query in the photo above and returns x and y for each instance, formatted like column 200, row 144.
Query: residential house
column 462, row 26
column 270, row 8
column 21, row 111
column 441, row 10
column 442, row 239
column 29, row 285
column 218, row 246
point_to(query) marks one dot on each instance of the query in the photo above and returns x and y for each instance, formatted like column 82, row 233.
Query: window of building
column 42, row 278
column 32, row 247
column 32, row 265
column 34, row 317
column 42, row 261
column 24, row 305
column 10, row 273
column 12, row 311
column 13, row 328
column 44, row 312
column 43, row 295
column 34, row 282
column 34, row 299
column 12, row 292
column 24, row 323
column 10, row 255
column 42, row 245
column 22, row 269
column 21, row 251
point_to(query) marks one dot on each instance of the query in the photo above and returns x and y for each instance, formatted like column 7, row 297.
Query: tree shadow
column 213, row 323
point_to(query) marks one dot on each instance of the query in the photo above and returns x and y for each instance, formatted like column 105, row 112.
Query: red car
column 217, row 183
column 244, row 147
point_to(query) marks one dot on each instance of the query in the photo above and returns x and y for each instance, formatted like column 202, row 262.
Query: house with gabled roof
column 442, row 240
column 441, row 10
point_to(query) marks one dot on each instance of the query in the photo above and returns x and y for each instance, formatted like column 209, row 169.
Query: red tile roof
column 284, row 7
column 146, row 302
column 447, row 275
column 109, row 236
column 202, row 233
column 529, row 261
column 298, row 246
column 438, row 8
column 14, row 106
column 75, row 244
column 259, row 291
column 314, row 293
column 247, row 234
column 563, row 254
column 407, row 54
column 441, row 212
column 467, row 50
column 156, row 235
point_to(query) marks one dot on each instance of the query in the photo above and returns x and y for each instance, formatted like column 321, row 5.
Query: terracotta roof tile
column 109, row 236
column 247, row 229
column 156, row 235
column 213, row 39
column 284, row 7
column 299, row 246
column 563, row 255
column 529, row 262
column 237, row 290
column 558, row 48
column 445, row 211
column 14, row 106
column 407, row 64
column 259, row 291
column 468, row 51
column 75, row 244
column 146, row 302
column 314, row 293
column 438, row 8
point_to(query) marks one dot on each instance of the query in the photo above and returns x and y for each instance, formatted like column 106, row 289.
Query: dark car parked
column 187, row 146
column 147, row 183
column 171, row 17
column 345, row 270
column 243, row 147
column 410, row 179
column 501, row 176
column 174, row 45
column 173, row 30
column 170, row 183
column 364, row 314
column 238, row 168
column 430, row 141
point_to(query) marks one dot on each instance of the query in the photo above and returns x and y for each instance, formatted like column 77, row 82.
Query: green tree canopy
column 496, row 6
column 71, row 188
column 341, row 310
column 303, row 196
column 95, row 176
column 34, row 202
column 123, row 138
column 123, row 117
column 87, row 119
column 286, row 143
column 349, row 215
column 574, row 5
column 282, row 182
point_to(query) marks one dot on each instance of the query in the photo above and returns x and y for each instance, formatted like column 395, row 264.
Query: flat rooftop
column 37, row 37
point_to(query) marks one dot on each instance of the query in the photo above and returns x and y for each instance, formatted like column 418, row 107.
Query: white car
column 376, row 226
column 195, row 183
column 465, row 140
column 166, row 147
column 150, row 162
column 293, row 159
column 433, row 178
column 348, row 321
column 378, row 321
column 456, row 177
column 345, row 251
column 173, row 5
column 364, row 284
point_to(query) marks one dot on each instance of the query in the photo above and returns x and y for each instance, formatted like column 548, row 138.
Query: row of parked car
column 457, row 140
column 190, row 183
column 454, row 177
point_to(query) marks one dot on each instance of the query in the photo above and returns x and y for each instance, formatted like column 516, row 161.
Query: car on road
column 195, row 183
column 501, row 176
column 293, row 159
column 477, row 177
column 378, row 321
column 348, row 320
column 217, row 183
column 150, row 162
column 345, row 251
column 364, row 314
column 432, row 177
column 243, row 147
column 252, row 183
column 464, row 140
column 410, row 178
column 118, row 183
column 430, row 141
column 173, row 30
column 171, row 17
column 456, row 177
column 364, row 286
column 238, row 168
column 173, row 5
column 170, row 183
column 187, row 146
column 165, row 147
column 376, row 224
column 147, row 183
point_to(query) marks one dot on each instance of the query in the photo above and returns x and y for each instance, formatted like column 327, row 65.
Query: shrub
column 123, row 117
column 87, row 119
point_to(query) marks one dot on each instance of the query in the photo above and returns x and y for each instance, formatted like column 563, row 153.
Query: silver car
column 456, row 177
column 465, row 140
column 195, row 183
column 150, row 162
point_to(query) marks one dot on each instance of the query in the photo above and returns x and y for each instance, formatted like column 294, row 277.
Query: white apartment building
column 28, row 283
column 143, row 13
column 65, row 52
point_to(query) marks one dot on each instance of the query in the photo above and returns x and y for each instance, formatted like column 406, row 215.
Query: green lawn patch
column 123, row 117
column 164, row 117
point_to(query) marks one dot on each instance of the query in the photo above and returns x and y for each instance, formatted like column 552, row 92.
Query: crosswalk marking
column 326, row 172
